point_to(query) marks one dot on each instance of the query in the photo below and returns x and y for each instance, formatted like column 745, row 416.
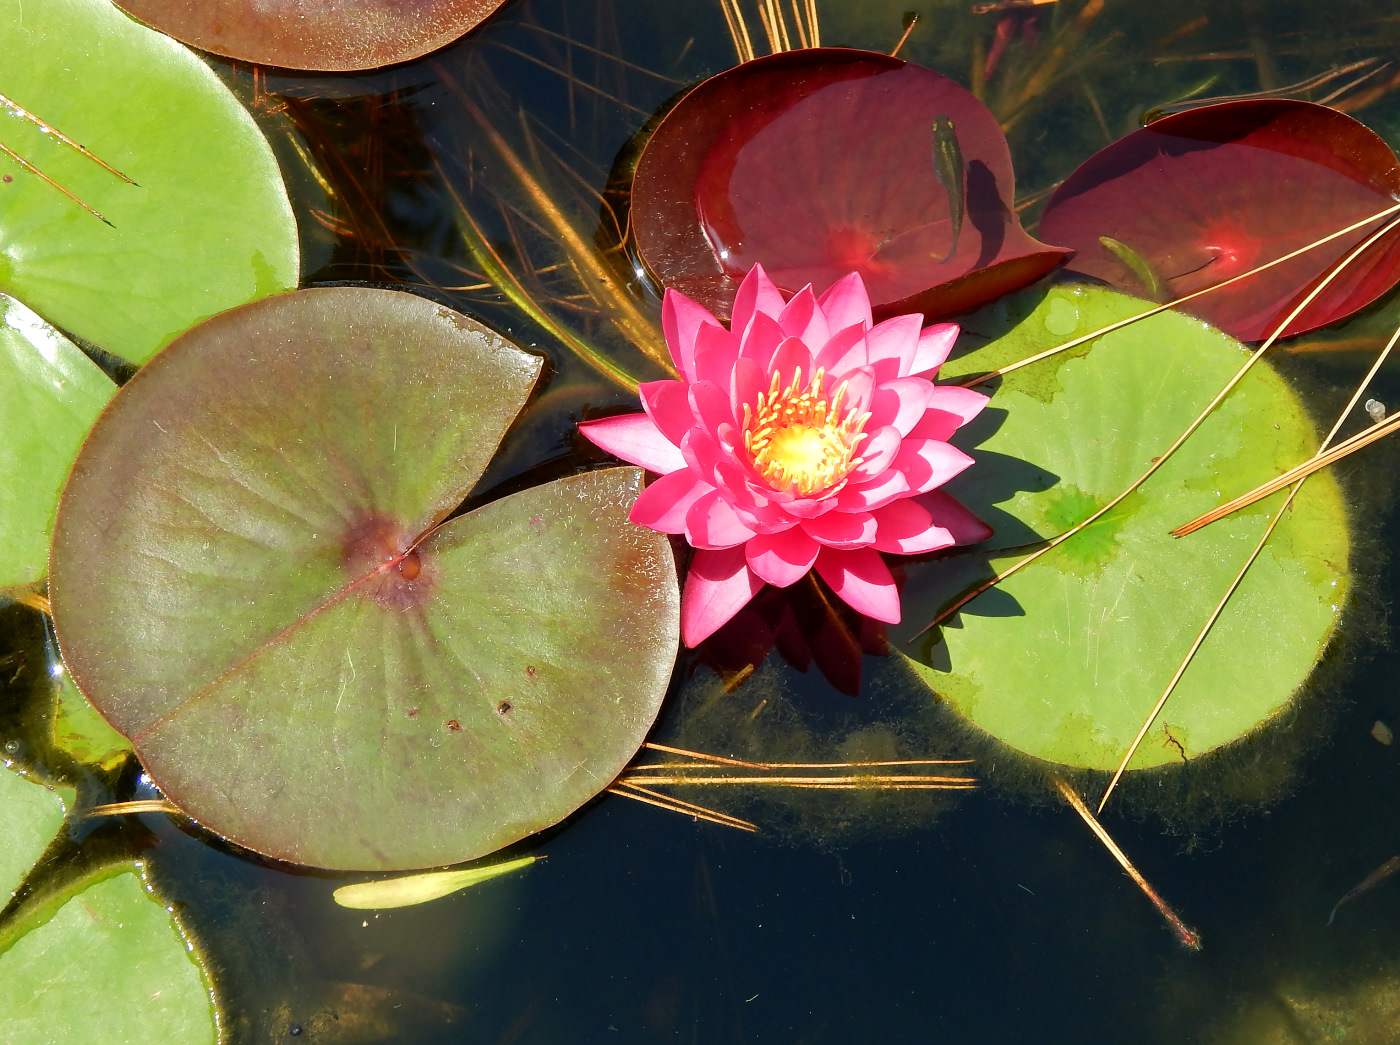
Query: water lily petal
column 927, row 463
column 954, row 516
column 703, row 454
column 842, row 529
column 634, row 438
column 710, row 404
column 846, row 303
column 892, row 345
column 862, row 580
column 900, row 403
column 935, row 342
column 761, row 339
column 907, row 527
column 963, row 402
column 877, row 451
column 959, row 405
column 805, row 507
column 668, row 406
column 712, row 523
column 663, row 505
column 782, row 558
column 803, row 319
column 716, row 349
column 681, row 319
column 874, row 493
column 745, row 383
column 791, row 357
column 756, row 296
column 860, row 386
column 718, row 586
column 844, row 350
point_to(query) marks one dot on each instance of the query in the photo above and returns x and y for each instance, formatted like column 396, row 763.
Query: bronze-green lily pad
column 1065, row 659
column 203, row 225
column 253, row 581
column 334, row 36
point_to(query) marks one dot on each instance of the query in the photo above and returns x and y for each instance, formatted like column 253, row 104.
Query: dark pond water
column 990, row 916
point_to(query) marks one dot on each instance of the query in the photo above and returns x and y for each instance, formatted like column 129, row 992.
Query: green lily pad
column 82, row 733
column 251, row 583
column 30, row 816
column 110, row 965
column 206, row 226
column 1065, row 659
column 53, row 393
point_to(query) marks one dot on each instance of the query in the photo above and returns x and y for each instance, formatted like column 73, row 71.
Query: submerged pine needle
column 145, row 805
column 1375, row 878
column 1189, row 937
column 675, row 805
column 420, row 888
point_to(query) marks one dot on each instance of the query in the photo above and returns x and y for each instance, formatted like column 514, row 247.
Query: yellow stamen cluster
column 798, row 440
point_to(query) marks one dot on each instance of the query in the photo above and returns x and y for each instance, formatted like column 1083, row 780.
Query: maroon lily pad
column 1207, row 194
column 329, row 36
column 821, row 161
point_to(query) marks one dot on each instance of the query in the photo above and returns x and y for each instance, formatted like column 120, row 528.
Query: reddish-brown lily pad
column 823, row 161
column 1207, row 194
column 328, row 35
column 251, row 582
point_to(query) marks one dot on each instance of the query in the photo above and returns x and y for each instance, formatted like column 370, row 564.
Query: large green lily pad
column 1065, row 659
column 53, row 393
column 109, row 966
column 206, row 227
column 247, row 581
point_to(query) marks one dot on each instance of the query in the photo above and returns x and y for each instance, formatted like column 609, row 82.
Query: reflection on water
column 989, row 916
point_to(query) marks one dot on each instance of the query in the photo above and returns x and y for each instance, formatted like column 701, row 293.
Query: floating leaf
column 108, row 966
column 1065, row 659
column 206, row 227
column 349, row 34
column 821, row 161
column 52, row 394
column 1210, row 193
column 420, row 888
column 250, row 582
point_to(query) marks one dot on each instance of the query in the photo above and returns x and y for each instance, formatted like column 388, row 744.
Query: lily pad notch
column 252, row 580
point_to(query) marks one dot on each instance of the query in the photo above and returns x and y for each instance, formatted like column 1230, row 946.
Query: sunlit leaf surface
column 50, row 393
column 1065, row 659
column 1210, row 193
column 347, row 34
column 206, row 227
column 822, row 161
column 248, row 583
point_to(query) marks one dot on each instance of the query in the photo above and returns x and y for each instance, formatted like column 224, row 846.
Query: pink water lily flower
column 803, row 436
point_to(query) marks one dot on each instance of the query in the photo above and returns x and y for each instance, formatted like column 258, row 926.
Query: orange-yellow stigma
column 799, row 441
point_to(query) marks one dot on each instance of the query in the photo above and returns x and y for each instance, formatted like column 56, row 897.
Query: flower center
column 799, row 441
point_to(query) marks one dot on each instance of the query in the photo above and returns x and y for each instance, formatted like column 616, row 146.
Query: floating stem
column 1188, row 936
